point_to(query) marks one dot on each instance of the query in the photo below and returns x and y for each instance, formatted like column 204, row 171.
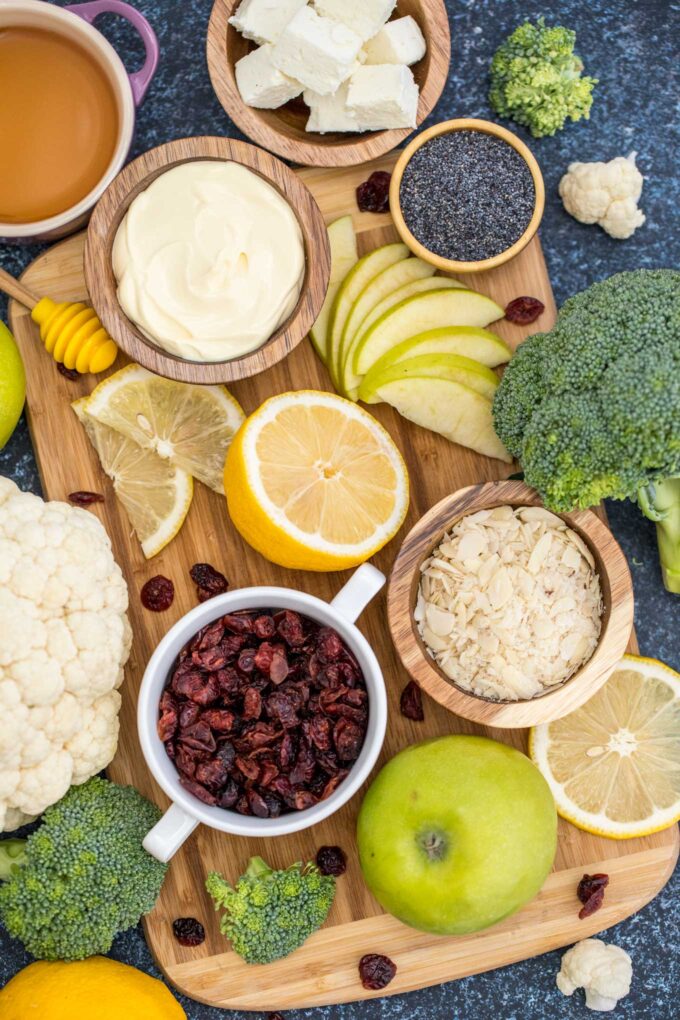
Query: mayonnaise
column 209, row 260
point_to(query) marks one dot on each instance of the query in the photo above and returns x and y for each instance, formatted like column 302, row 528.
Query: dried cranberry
column 411, row 702
column 348, row 738
column 219, row 719
column 329, row 645
column 374, row 194
column 68, row 373
column 158, row 594
column 188, row 931
column 289, row 626
column 168, row 722
column 524, row 310
column 376, row 971
column 264, row 627
column 590, row 891
column 209, row 582
column 252, row 704
column 278, row 670
column 85, row 498
column 212, row 774
column 274, row 1016
column 331, row 860
column 198, row 791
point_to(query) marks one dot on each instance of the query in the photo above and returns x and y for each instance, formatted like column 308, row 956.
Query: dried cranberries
column 524, row 310
column 158, row 594
column 376, row 971
column 188, row 931
column 209, row 582
column 265, row 712
column 411, row 703
column 84, row 498
column 374, row 194
column 590, row 891
column 331, row 860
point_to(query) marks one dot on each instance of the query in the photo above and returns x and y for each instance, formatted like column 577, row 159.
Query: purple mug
column 129, row 90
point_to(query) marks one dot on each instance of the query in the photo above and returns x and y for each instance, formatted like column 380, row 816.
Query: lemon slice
column 156, row 494
column 313, row 482
column 191, row 426
column 613, row 765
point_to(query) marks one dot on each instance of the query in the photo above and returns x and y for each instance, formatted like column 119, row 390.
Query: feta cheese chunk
column 316, row 51
column 263, row 21
column 398, row 42
column 364, row 17
column 330, row 113
column 261, row 84
column 383, row 96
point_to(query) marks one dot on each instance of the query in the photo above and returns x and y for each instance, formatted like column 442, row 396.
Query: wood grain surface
column 325, row 969
column 112, row 207
column 617, row 616
column 283, row 131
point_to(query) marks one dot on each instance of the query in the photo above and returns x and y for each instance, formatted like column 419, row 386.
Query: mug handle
column 363, row 585
column 140, row 80
column 167, row 836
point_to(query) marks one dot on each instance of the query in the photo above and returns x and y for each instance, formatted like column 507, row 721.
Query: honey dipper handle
column 17, row 290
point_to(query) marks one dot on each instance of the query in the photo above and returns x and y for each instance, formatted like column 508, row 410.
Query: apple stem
column 434, row 844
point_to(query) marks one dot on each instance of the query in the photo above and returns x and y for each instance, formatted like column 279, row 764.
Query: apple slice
column 357, row 279
column 344, row 255
column 439, row 366
column 418, row 314
column 449, row 408
column 467, row 341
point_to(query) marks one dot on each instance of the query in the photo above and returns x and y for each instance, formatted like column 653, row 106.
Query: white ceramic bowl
column 186, row 811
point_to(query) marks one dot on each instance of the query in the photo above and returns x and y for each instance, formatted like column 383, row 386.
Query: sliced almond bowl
column 556, row 701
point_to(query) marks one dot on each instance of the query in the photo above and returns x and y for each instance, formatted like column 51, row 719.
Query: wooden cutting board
column 324, row 971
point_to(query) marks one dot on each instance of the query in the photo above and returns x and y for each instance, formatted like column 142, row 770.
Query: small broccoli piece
column 83, row 876
column 269, row 914
column 592, row 408
column 536, row 79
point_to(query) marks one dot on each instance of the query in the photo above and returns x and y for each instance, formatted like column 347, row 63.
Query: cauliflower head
column 603, row 971
column 605, row 193
column 64, row 639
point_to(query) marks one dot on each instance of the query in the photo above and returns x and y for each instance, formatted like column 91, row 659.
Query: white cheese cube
column 263, row 21
column 330, row 113
column 397, row 42
column 383, row 96
column 316, row 51
column 364, row 17
column 261, row 84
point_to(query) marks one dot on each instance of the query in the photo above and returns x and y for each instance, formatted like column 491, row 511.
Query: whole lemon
column 12, row 384
column 94, row 989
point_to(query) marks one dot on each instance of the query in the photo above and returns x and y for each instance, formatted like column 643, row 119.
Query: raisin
column 524, row 310
column 188, row 931
column 376, row 971
column 411, row 702
column 158, row 594
column 209, row 582
column 331, row 860
column 590, row 891
column 68, row 373
column 84, row 498
column 374, row 194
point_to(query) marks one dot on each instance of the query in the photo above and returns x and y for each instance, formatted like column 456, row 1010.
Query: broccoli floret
column 536, row 79
column 592, row 408
column 271, row 913
column 83, row 876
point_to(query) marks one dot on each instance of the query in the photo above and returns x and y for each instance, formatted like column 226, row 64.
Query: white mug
column 186, row 811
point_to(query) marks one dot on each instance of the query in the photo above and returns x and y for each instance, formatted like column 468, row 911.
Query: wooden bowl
column 283, row 131
column 445, row 128
column 617, row 618
column 101, row 282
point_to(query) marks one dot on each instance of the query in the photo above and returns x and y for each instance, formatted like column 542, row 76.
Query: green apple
column 355, row 282
column 457, row 833
column 439, row 308
column 344, row 255
column 468, row 341
column 453, row 410
column 439, row 366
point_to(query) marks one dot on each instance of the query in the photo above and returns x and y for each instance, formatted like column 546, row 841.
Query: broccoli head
column 592, row 408
column 83, row 876
column 536, row 79
column 269, row 914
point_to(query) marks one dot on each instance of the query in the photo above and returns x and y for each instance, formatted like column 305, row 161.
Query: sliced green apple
column 469, row 373
column 418, row 314
column 454, row 411
column 467, row 341
column 344, row 255
column 357, row 279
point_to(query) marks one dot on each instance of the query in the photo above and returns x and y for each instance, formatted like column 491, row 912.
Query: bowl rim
column 322, row 151
column 617, row 619
column 444, row 128
column 156, row 675
column 112, row 207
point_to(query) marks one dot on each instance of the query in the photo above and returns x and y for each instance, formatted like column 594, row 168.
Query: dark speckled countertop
column 633, row 48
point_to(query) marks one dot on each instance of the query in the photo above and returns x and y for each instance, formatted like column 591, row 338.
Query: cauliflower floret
column 64, row 639
column 605, row 193
column 602, row 970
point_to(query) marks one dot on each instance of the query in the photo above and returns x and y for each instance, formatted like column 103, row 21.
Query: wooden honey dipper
column 70, row 331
